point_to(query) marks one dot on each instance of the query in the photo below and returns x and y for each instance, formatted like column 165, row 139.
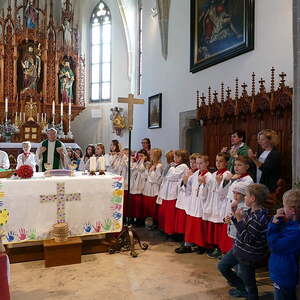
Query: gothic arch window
column 100, row 55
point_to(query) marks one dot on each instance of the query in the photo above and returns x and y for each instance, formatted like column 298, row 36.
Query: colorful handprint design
column 97, row 227
column 117, row 215
column 10, row 237
column 22, row 234
column 87, row 227
column 107, row 224
column 4, row 216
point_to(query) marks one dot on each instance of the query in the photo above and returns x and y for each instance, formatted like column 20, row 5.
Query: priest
column 51, row 151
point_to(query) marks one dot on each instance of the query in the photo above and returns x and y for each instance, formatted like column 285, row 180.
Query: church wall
column 86, row 128
column 273, row 47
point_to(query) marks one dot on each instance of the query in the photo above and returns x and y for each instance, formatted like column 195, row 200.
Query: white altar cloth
column 33, row 145
column 90, row 205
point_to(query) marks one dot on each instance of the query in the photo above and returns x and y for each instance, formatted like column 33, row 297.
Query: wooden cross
column 130, row 101
column 60, row 198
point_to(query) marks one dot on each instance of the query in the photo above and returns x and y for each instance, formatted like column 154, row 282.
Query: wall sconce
column 154, row 12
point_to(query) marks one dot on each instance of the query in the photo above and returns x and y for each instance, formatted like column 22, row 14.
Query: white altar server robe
column 169, row 187
column 29, row 160
column 215, row 202
column 153, row 181
column 137, row 180
column 182, row 197
column 198, row 193
column 4, row 161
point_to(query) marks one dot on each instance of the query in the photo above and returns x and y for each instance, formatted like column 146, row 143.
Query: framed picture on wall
column 154, row 111
column 220, row 30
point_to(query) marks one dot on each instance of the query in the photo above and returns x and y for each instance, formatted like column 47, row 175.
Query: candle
column 6, row 104
column 20, row 117
column 93, row 164
column 70, row 109
column 24, row 117
column 61, row 109
column 37, row 117
column 102, row 163
column 53, row 108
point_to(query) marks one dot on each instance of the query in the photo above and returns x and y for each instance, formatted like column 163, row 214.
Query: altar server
column 215, row 204
column 182, row 198
column 153, row 175
column 4, row 161
column 169, row 191
column 241, row 167
column 195, row 229
column 137, row 184
column 51, row 151
column 26, row 158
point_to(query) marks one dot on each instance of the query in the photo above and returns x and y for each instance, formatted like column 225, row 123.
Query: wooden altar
column 40, row 69
column 250, row 112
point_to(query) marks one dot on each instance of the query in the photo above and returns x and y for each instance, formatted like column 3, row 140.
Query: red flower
column 25, row 171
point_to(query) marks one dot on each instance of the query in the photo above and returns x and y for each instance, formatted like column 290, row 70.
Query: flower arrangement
column 25, row 172
column 7, row 130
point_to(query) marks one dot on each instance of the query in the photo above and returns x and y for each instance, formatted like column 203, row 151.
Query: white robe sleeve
column 4, row 160
column 175, row 173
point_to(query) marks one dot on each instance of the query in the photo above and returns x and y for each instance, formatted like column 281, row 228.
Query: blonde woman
column 153, row 175
column 268, row 163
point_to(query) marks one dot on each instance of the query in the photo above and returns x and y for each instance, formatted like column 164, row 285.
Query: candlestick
column 61, row 109
column 53, row 108
column 93, row 164
column 6, row 104
column 102, row 163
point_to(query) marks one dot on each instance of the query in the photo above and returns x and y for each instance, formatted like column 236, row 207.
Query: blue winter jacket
column 284, row 243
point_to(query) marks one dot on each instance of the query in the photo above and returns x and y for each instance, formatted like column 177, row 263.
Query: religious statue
column 118, row 120
column 31, row 64
column 31, row 14
column 67, row 33
column 66, row 79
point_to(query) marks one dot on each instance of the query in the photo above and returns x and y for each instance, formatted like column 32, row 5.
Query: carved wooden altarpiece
column 251, row 112
column 38, row 58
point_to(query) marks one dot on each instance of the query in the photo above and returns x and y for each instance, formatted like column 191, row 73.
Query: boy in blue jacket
column 284, row 242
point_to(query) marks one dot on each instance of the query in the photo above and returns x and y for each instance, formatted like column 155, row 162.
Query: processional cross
column 60, row 198
column 130, row 101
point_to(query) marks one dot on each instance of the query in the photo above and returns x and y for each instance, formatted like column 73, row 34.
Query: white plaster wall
column 86, row 129
column 273, row 47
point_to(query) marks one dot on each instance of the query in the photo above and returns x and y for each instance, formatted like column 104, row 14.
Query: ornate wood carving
column 19, row 32
column 252, row 112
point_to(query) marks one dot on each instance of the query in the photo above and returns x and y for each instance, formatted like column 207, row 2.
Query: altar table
column 89, row 204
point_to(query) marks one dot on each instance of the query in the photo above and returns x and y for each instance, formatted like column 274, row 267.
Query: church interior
column 149, row 149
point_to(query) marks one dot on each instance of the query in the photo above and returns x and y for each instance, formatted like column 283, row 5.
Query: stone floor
column 157, row 273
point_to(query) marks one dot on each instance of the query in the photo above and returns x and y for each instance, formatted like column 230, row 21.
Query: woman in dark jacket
column 268, row 164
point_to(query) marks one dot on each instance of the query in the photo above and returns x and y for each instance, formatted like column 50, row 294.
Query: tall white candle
column 6, row 104
column 16, row 118
column 24, row 117
column 20, row 116
column 53, row 108
column 102, row 163
column 61, row 109
column 38, row 117
column 70, row 108
column 93, row 164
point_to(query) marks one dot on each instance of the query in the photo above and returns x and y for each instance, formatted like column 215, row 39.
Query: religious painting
column 220, row 30
column 154, row 111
